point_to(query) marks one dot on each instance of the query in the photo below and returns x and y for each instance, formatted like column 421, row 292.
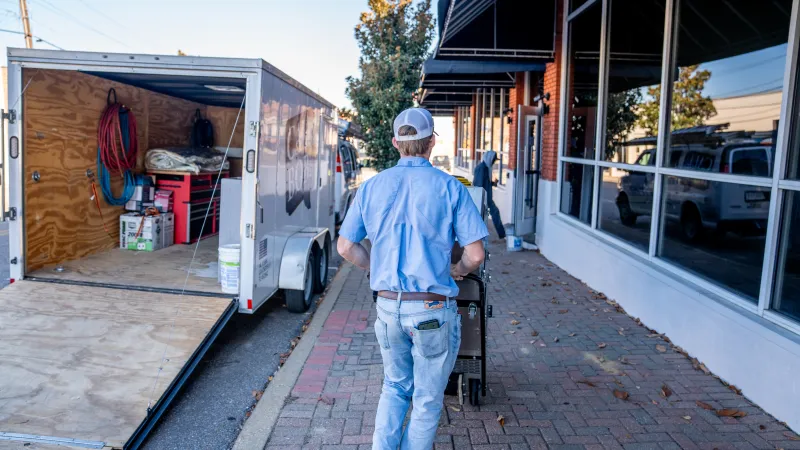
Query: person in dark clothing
column 482, row 177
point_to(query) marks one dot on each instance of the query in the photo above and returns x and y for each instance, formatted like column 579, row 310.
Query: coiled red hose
column 118, row 147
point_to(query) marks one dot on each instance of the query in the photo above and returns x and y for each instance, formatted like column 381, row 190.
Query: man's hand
column 456, row 272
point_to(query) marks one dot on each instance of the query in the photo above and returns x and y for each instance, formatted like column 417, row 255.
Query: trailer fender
column 295, row 254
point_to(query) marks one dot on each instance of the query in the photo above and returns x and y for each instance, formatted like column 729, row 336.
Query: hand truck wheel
column 474, row 392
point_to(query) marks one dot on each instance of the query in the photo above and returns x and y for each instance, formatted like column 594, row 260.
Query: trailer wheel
column 474, row 392
column 300, row 301
column 321, row 258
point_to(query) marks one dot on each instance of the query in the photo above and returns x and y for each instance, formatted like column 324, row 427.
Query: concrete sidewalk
column 567, row 369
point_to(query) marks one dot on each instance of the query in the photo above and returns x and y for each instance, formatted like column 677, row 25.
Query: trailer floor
column 163, row 269
column 82, row 362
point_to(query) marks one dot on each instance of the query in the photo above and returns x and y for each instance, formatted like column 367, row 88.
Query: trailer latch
column 13, row 260
column 488, row 310
column 11, row 115
column 11, row 214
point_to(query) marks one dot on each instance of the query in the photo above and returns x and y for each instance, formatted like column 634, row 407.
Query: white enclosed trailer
column 94, row 340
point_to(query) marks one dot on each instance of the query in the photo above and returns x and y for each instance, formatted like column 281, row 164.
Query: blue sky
column 311, row 40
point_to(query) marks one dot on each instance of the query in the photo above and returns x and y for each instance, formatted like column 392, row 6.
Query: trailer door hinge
column 253, row 128
column 11, row 214
column 11, row 115
column 248, row 231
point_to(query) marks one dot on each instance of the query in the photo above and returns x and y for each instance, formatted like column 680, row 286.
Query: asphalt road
column 209, row 412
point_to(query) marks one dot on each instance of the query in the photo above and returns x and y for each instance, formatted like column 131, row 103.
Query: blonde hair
column 412, row 148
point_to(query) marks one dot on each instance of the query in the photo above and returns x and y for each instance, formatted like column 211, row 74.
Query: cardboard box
column 163, row 201
column 143, row 196
column 146, row 233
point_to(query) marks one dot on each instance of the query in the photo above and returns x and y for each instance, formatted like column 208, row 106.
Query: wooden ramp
column 82, row 362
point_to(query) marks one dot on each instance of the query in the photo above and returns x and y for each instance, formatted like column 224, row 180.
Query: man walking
column 482, row 177
column 412, row 213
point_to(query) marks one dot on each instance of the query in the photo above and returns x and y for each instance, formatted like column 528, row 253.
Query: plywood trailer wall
column 224, row 120
column 61, row 111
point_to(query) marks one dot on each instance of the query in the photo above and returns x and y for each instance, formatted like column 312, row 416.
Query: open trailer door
column 93, row 367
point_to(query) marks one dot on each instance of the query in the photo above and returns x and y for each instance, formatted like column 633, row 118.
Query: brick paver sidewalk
column 567, row 369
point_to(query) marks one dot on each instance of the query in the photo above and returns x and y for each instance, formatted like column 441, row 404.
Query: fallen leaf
column 558, row 325
column 586, row 382
column 622, row 395
column 554, row 301
column 625, row 361
column 501, row 420
column 665, row 391
column 661, row 348
column 593, row 309
column 572, row 334
column 563, row 311
column 555, row 339
column 687, row 417
column 305, row 327
column 653, row 402
column 762, row 427
column 704, row 405
column 601, row 359
column 735, row 389
column 618, row 383
column 654, row 335
column 515, row 322
column 269, row 379
column 602, row 345
column 512, row 332
column 791, row 436
column 247, row 414
column 730, row 412
column 455, row 409
column 327, row 400
column 504, row 272
column 534, row 333
column 703, row 368
column 363, row 319
column 513, row 313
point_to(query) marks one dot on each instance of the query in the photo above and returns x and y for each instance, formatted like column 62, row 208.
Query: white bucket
column 229, row 268
column 513, row 243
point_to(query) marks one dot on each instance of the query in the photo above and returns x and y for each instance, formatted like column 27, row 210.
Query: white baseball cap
column 419, row 118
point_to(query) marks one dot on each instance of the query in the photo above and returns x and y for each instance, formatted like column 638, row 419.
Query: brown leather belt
column 420, row 296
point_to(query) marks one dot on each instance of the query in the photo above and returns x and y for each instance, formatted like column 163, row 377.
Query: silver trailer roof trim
column 143, row 62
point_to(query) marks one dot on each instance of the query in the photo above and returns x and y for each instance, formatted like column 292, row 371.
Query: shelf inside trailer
column 162, row 270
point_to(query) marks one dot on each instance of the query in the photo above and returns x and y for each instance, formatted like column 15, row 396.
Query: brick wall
column 516, row 97
column 552, row 85
column 472, row 127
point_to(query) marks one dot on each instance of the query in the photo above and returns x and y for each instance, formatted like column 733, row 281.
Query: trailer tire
column 321, row 260
column 299, row 301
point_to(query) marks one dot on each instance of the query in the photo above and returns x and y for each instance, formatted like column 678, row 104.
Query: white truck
column 94, row 340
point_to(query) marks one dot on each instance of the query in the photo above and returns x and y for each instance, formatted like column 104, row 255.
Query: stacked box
column 146, row 233
column 143, row 196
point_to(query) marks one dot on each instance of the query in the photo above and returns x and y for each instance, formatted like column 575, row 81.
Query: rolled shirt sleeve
column 468, row 224
column 353, row 228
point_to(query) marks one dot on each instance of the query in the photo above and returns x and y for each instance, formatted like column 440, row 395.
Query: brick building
column 691, row 230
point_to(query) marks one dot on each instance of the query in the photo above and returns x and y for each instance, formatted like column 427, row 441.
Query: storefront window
column 787, row 280
column 729, row 80
column 634, row 76
column 584, row 75
column 576, row 191
column 716, row 230
column 626, row 204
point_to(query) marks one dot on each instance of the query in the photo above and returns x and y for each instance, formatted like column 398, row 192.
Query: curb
column 257, row 429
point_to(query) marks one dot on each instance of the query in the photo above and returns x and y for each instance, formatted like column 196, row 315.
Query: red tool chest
column 193, row 195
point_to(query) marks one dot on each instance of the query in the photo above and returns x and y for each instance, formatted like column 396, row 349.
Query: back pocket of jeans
column 431, row 343
column 382, row 333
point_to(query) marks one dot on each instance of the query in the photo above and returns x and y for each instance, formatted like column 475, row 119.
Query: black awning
column 439, row 67
column 497, row 29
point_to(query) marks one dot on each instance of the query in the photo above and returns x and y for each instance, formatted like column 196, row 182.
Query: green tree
column 394, row 37
column 690, row 107
column 621, row 119
column 346, row 114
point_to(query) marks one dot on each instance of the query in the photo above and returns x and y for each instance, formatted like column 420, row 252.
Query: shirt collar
column 413, row 161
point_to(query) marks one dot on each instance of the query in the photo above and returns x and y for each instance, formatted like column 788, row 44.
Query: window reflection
column 786, row 299
column 716, row 230
column 576, row 191
column 626, row 204
column 728, row 87
column 584, row 70
column 634, row 76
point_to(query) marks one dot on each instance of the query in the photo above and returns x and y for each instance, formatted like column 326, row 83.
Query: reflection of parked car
column 441, row 161
column 348, row 171
column 699, row 204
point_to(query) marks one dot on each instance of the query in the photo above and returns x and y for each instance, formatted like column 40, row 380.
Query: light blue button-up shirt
column 412, row 214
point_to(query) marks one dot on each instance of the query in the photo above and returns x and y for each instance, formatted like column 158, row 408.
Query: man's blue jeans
column 416, row 365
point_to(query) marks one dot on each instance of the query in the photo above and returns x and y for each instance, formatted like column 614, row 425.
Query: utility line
column 60, row 11
column 38, row 39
